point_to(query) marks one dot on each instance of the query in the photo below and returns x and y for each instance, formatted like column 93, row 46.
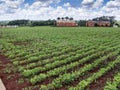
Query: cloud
column 43, row 9
column 37, row 5
column 98, row 3
column 9, row 6
column 112, row 4
column 48, row 1
column 11, row 3
column 87, row 2
column 67, row 4
column 92, row 4
column 112, row 8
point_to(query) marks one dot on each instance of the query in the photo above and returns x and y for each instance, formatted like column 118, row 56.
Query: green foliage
column 37, row 78
column 16, row 62
column 18, row 22
column 113, row 85
column 60, row 55
column 43, row 23
column 82, row 23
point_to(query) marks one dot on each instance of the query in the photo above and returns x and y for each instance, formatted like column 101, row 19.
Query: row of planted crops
column 52, row 58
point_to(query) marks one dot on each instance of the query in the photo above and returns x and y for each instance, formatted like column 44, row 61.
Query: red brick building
column 63, row 23
column 98, row 23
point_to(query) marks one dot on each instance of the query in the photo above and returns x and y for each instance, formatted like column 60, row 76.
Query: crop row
column 36, row 53
column 69, row 77
column 17, row 51
column 84, row 83
column 57, row 63
column 45, row 56
column 61, row 57
column 113, row 85
column 64, row 68
column 40, row 62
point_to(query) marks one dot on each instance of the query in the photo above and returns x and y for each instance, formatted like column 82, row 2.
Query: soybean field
column 60, row 58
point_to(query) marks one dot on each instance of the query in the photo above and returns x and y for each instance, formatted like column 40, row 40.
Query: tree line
column 31, row 23
column 65, row 18
column 53, row 22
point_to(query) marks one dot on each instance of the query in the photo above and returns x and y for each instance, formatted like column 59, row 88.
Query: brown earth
column 97, row 84
column 10, row 79
column 27, row 42
column 100, row 82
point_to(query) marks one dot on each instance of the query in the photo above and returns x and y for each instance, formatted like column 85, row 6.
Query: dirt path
column 2, row 87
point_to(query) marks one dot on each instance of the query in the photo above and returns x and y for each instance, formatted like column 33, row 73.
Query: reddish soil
column 47, row 81
column 22, row 42
column 10, row 79
column 100, row 82
column 12, row 82
column 75, row 82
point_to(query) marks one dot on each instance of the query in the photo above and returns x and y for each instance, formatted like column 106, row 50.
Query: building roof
column 65, row 21
column 97, row 21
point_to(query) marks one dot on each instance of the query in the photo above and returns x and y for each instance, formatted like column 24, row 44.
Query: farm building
column 68, row 22
column 98, row 23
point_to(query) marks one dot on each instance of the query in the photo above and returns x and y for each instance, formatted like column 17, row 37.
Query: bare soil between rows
column 10, row 80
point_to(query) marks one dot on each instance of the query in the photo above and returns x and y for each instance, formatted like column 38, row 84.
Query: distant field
column 60, row 58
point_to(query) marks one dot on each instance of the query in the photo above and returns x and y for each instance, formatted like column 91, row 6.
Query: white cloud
column 67, row 4
column 87, row 2
column 37, row 5
column 11, row 3
column 42, row 9
column 98, row 3
column 9, row 6
column 112, row 8
column 112, row 4
column 92, row 4
column 47, row 2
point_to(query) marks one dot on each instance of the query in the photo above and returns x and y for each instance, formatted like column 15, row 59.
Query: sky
column 51, row 9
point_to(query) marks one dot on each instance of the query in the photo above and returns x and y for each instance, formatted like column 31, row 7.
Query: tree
column 71, row 19
column 103, row 18
column 43, row 23
column 19, row 22
column 82, row 22
column 66, row 18
column 62, row 18
column 58, row 18
column 112, row 20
